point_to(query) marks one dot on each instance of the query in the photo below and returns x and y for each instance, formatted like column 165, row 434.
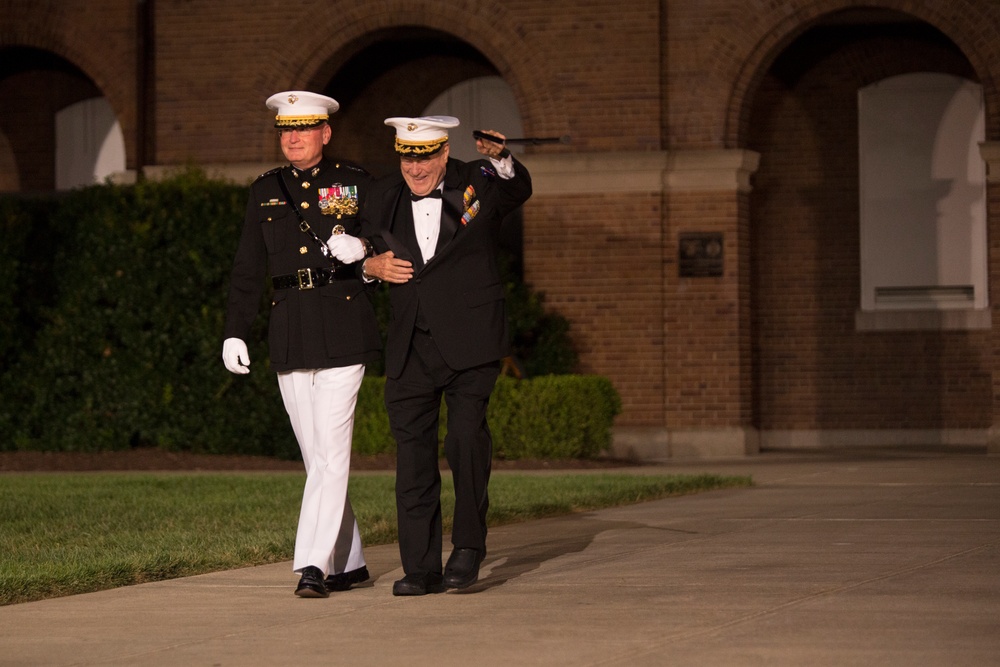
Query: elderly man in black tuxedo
column 436, row 225
column 299, row 229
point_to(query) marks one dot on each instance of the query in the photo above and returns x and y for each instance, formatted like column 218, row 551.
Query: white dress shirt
column 427, row 224
column 427, row 211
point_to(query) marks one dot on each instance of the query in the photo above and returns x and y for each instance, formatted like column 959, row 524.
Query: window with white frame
column 922, row 194
column 90, row 145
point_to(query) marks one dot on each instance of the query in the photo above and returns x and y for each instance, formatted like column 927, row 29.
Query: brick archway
column 780, row 28
column 485, row 28
column 86, row 48
column 804, row 208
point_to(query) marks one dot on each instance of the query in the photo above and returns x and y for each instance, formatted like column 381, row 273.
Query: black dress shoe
column 344, row 580
column 418, row 584
column 311, row 584
column 462, row 569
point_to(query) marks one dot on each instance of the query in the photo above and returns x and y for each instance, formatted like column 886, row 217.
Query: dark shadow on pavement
column 576, row 532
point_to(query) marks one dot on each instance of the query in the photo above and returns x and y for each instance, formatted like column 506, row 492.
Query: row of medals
column 338, row 200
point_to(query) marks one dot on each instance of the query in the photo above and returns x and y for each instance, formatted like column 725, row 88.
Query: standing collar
column 311, row 172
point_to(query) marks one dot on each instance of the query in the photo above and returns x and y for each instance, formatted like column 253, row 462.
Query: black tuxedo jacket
column 323, row 327
column 459, row 293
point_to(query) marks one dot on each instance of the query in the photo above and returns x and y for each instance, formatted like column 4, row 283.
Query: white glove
column 348, row 249
column 235, row 356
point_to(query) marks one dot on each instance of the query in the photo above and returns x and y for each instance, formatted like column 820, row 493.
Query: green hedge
column 552, row 416
column 125, row 344
column 548, row 417
column 114, row 299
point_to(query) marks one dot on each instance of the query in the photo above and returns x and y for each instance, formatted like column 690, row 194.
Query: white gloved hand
column 235, row 356
column 346, row 248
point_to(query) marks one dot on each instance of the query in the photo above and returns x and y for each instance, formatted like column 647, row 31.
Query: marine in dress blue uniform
column 300, row 235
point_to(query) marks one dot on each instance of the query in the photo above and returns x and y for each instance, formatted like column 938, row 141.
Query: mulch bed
column 151, row 458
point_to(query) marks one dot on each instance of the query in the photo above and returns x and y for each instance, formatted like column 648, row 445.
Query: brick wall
column 572, row 64
column 706, row 326
column 598, row 260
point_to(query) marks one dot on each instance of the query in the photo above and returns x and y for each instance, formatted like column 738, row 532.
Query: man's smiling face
column 424, row 174
column 304, row 148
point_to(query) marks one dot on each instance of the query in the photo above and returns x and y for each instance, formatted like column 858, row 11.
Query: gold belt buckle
column 305, row 278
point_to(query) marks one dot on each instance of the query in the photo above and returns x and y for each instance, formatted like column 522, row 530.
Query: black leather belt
column 310, row 278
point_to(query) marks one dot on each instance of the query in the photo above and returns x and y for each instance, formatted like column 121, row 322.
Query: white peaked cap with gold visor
column 423, row 136
column 301, row 109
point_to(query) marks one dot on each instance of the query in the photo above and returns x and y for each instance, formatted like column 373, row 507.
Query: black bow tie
column 434, row 194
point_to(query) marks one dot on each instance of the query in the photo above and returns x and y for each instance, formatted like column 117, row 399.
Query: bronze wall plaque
column 700, row 255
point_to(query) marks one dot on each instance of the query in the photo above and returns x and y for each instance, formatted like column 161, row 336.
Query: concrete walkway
column 833, row 558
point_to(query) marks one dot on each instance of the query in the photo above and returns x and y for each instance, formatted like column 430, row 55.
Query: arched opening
column 815, row 371
column 36, row 85
column 396, row 72
column 413, row 72
column 90, row 145
column 482, row 103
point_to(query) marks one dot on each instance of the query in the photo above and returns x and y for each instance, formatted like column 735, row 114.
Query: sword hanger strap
column 303, row 225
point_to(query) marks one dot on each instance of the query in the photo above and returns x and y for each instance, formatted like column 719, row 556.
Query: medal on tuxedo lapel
column 471, row 205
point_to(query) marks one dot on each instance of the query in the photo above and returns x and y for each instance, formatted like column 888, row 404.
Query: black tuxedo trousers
column 413, row 401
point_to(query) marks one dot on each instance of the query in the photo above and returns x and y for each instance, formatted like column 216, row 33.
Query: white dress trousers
column 320, row 404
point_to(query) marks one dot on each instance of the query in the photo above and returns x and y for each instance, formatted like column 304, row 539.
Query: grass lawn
column 67, row 533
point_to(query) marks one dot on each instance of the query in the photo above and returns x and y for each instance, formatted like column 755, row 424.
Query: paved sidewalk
column 833, row 558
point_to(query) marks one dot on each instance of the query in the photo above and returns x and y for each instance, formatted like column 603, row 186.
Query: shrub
column 27, row 279
column 371, row 421
column 553, row 416
column 548, row 417
column 126, row 350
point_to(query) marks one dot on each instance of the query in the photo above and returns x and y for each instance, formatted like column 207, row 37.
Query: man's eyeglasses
column 301, row 130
